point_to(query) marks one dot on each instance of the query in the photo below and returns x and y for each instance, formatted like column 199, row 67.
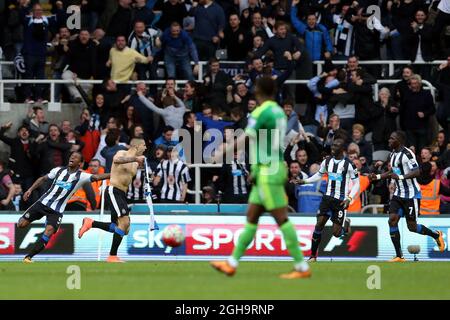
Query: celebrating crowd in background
column 123, row 40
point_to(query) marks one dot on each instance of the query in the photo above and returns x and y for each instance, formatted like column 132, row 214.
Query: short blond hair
column 136, row 142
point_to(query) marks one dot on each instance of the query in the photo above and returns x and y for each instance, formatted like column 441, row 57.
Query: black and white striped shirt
column 136, row 191
column 402, row 163
column 64, row 185
column 146, row 44
column 173, row 174
column 233, row 179
column 340, row 173
column 343, row 37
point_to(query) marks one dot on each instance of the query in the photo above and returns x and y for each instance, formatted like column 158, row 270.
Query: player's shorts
column 330, row 206
column 38, row 210
column 269, row 191
column 408, row 208
column 269, row 196
column 116, row 202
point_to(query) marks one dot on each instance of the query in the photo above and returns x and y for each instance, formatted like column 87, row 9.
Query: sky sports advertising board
column 210, row 236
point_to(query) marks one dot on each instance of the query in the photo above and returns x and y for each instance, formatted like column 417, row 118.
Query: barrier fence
column 56, row 106
column 211, row 235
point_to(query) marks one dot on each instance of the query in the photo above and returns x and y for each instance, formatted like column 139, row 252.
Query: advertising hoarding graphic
column 60, row 243
column 433, row 250
column 7, row 238
column 360, row 242
column 142, row 241
column 220, row 239
column 208, row 236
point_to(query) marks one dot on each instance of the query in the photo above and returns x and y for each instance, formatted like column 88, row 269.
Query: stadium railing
column 56, row 106
column 390, row 63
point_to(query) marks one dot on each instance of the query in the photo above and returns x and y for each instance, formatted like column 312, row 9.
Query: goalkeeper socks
column 315, row 241
column 110, row 227
column 117, row 239
column 421, row 229
column 291, row 240
column 39, row 245
column 395, row 237
column 244, row 241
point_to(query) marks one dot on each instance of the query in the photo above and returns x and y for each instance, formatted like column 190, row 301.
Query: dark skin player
column 337, row 152
column 75, row 162
column 396, row 144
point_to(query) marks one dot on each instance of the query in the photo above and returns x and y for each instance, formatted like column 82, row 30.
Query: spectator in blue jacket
column 36, row 29
column 209, row 25
column 317, row 38
column 178, row 50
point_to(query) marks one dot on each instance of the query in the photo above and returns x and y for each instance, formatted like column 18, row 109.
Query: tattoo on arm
column 124, row 160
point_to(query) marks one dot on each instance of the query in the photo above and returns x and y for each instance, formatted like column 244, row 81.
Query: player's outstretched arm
column 316, row 177
column 99, row 177
column 35, row 185
column 382, row 176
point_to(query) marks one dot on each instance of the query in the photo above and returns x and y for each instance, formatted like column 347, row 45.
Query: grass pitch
column 197, row 280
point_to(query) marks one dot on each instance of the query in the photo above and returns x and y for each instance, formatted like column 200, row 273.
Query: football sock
column 117, row 239
column 291, row 240
column 110, row 227
column 316, row 237
column 421, row 229
column 244, row 240
column 39, row 245
column 395, row 237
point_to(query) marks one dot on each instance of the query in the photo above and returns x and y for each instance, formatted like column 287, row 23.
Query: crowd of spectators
column 122, row 40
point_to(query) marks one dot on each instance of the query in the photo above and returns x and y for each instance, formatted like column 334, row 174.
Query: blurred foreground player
column 338, row 196
column 267, row 128
column 403, row 171
column 66, row 181
column 124, row 168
